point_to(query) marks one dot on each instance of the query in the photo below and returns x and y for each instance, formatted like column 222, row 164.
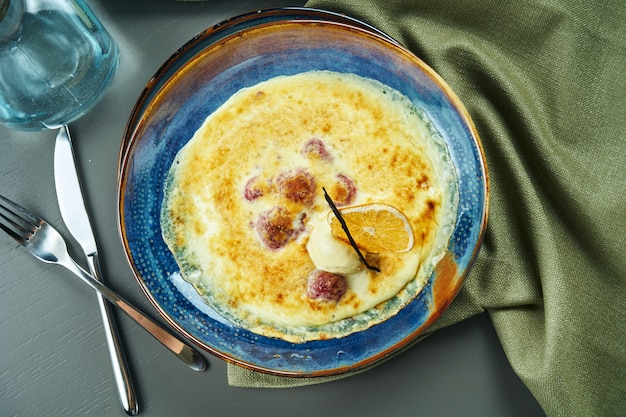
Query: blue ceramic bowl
column 200, row 77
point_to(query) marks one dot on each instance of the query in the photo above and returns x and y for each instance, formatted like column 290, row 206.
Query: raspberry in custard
column 326, row 286
column 297, row 186
column 317, row 148
column 343, row 191
column 275, row 228
column 253, row 189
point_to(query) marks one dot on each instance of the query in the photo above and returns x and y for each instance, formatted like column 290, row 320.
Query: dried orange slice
column 375, row 228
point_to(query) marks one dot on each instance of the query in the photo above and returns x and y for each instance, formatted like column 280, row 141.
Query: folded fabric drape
column 545, row 83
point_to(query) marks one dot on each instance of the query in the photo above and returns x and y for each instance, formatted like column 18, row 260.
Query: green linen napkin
column 545, row 83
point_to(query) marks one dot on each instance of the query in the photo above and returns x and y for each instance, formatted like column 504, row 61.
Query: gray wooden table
column 53, row 358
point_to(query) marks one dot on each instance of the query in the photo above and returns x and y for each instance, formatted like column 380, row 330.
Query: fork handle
column 182, row 350
column 123, row 380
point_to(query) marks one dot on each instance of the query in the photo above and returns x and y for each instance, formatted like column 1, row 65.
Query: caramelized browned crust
column 247, row 189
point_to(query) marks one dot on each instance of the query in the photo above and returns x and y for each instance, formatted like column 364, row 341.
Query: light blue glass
column 56, row 61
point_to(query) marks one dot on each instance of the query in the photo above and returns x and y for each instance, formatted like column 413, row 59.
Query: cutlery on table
column 74, row 213
column 46, row 243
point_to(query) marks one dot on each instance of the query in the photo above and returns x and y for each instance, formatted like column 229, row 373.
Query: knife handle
column 123, row 380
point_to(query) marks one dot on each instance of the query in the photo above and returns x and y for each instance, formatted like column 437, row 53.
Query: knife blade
column 76, row 218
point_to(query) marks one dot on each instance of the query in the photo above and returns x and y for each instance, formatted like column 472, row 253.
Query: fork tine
column 18, row 222
column 8, row 230
column 19, row 211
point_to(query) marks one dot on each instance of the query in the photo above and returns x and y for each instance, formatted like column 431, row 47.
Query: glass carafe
column 56, row 61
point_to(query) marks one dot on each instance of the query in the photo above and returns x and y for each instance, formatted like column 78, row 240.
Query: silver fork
column 46, row 243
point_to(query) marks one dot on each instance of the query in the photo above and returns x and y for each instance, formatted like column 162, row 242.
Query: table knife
column 74, row 213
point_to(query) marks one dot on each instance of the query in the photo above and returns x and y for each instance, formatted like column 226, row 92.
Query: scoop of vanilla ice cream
column 329, row 253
